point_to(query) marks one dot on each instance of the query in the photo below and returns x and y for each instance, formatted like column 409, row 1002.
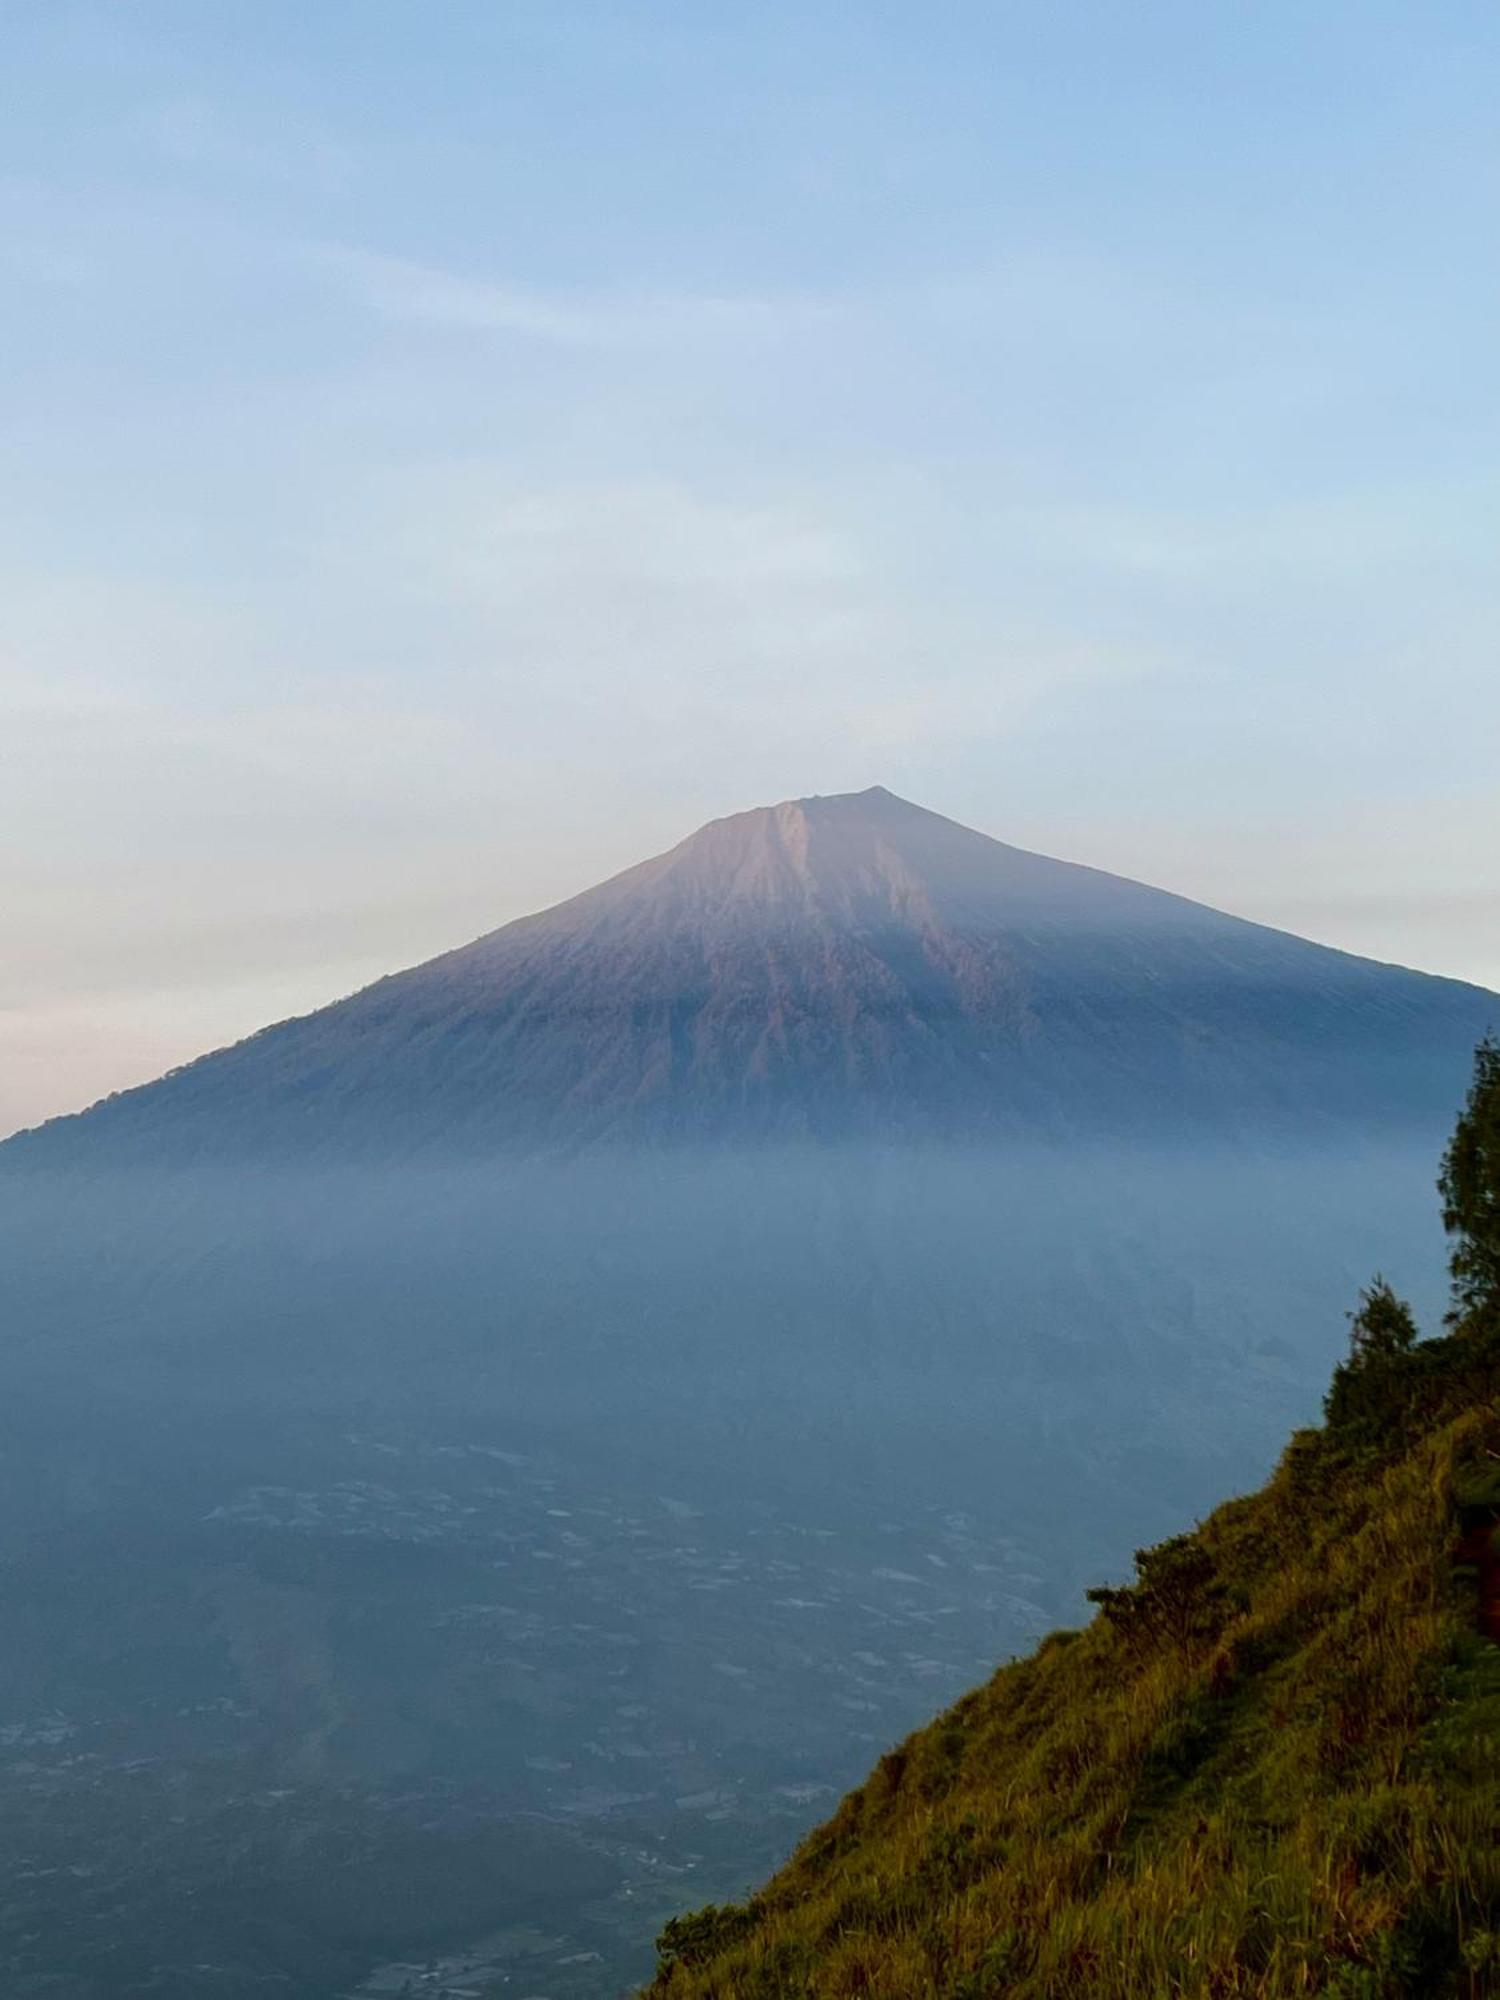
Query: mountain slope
column 828, row 968
column 1265, row 1769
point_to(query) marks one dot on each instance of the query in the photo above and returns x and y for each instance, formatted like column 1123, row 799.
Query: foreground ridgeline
column 1267, row 1768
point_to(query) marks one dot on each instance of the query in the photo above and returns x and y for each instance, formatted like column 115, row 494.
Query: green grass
column 1271, row 1767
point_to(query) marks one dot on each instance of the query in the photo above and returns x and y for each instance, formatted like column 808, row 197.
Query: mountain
column 490, row 1460
column 839, row 968
column 1265, row 1769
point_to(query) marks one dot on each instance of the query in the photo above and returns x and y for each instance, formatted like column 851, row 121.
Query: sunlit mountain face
column 484, row 1464
column 827, row 969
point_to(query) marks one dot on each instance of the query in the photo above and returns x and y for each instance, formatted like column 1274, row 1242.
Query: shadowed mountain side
column 827, row 968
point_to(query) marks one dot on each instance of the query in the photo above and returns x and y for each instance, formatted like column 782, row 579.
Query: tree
column 1382, row 1326
column 1470, row 1187
column 1371, row 1385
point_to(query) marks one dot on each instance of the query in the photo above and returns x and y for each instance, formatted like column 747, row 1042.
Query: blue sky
column 448, row 451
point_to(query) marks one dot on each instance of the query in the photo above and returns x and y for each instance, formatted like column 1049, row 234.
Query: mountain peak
column 871, row 796
column 875, row 807
column 830, row 965
column 792, row 854
column 864, row 860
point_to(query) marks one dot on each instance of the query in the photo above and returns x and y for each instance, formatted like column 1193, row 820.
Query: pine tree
column 1372, row 1385
column 1470, row 1187
column 1382, row 1326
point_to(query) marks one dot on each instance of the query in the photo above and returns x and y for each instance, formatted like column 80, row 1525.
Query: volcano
column 827, row 968
column 476, row 1450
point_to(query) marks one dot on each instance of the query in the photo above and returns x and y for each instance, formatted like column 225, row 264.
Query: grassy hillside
column 1271, row 1766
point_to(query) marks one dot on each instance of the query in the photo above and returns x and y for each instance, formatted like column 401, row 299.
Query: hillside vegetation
column 1270, row 1766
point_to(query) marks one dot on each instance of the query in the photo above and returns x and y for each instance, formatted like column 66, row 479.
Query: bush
column 1174, row 1599
column 701, row 1935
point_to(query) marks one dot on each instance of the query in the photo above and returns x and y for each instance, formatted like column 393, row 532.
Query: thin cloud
column 1344, row 534
column 402, row 290
column 194, row 134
